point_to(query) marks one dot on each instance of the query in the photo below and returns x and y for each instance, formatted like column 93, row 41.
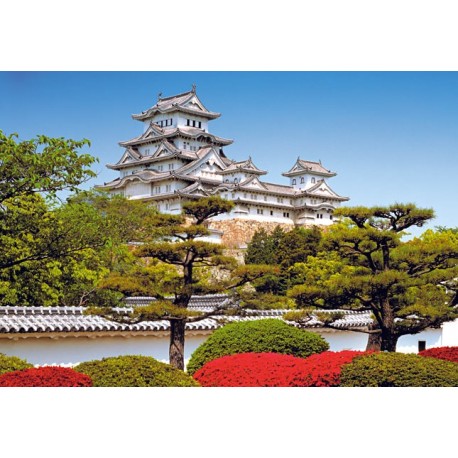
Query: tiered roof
column 302, row 166
column 187, row 102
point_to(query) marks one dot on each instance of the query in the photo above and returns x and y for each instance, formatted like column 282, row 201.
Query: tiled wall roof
column 15, row 320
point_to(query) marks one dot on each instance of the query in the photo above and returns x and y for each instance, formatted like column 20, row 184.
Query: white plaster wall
column 409, row 343
column 345, row 340
column 74, row 350
column 138, row 189
column 450, row 334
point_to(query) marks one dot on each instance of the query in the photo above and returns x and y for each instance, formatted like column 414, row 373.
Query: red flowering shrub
column 446, row 353
column 248, row 369
column 50, row 376
column 274, row 369
column 324, row 369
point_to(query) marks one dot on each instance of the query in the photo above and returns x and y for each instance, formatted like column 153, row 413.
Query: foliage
column 60, row 255
column 324, row 369
column 408, row 286
column 275, row 369
column 258, row 336
column 134, row 371
column 12, row 363
column 42, row 165
column 399, row 370
column 256, row 301
column 46, row 376
column 250, row 370
column 284, row 249
column 176, row 243
column 445, row 353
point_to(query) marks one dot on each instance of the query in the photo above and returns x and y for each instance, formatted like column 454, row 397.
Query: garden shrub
column 250, row 369
column 46, row 376
column 324, row 369
column 134, row 371
column 275, row 369
column 399, row 370
column 260, row 336
column 446, row 353
column 12, row 363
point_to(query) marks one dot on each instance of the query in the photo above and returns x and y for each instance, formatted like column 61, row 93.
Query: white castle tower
column 176, row 159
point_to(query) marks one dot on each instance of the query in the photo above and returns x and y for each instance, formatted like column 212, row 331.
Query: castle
column 176, row 158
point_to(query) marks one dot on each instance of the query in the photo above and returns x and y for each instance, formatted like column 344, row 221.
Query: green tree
column 180, row 244
column 58, row 255
column 407, row 285
column 44, row 165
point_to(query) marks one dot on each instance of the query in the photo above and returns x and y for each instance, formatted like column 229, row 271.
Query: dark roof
column 20, row 320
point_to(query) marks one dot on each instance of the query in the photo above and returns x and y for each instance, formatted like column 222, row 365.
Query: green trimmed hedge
column 134, row 371
column 259, row 336
column 12, row 363
column 399, row 370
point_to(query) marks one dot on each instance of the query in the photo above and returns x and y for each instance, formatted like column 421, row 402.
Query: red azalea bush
column 446, row 353
column 49, row 376
column 324, row 369
column 274, row 369
column 248, row 369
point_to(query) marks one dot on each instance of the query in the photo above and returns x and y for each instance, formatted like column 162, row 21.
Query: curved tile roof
column 30, row 320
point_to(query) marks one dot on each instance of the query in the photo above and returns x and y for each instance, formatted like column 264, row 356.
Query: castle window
column 260, row 211
column 313, row 180
column 236, row 180
column 199, row 124
column 159, row 167
column 330, row 216
column 254, row 197
column 294, row 181
column 171, row 166
column 265, row 198
column 421, row 345
column 280, row 200
column 285, row 215
column 157, row 189
column 147, row 151
column 302, row 180
column 188, row 122
column 168, row 188
column 271, row 213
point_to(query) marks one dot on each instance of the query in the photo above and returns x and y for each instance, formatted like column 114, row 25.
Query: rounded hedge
column 399, row 370
column 250, row 370
column 259, row 336
column 134, row 371
column 324, row 369
column 12, row 363
column 46, row 376
column 446, row 353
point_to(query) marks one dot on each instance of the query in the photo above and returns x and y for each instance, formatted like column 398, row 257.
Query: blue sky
column 390, row 136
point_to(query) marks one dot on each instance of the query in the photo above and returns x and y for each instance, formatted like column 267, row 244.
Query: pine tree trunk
column 374, row 341
column 177, row 338
column 389, row 341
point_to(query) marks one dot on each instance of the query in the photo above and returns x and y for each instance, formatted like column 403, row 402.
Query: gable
column 253, row 183
column 194, row 104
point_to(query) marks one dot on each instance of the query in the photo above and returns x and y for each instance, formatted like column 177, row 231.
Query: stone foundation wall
column 238, row 232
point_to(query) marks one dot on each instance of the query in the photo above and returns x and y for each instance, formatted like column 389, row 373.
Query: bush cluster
column 275, row 369
column 12, row 363
column 250, row 370
column 259, row 336
column 324, row 369
column 46, row 376
column 445, row 353
column 399, row 370
column 134, row 371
